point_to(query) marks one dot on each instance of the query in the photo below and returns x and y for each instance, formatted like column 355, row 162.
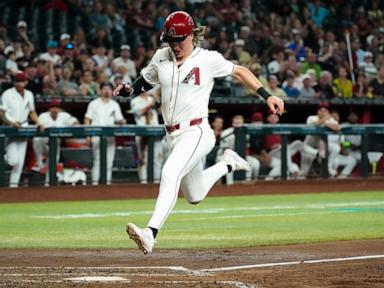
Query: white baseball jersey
column 185, row 89
column 313, row 140
column 140, row 103
column 103, row 113
column 63, row 119
column 18, row 107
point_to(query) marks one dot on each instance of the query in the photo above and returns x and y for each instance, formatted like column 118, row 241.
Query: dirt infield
column 311, row 265
column 131, row 191
column 336, row 264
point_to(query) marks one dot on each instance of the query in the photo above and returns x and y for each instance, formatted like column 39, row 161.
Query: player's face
column 20, row 85
column 106, row 92
column 182, row 49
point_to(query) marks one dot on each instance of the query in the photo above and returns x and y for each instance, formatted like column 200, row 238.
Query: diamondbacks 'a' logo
column 193, row 77
column 171, row 32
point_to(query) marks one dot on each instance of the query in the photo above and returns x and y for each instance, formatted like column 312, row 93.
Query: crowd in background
column 296, row 48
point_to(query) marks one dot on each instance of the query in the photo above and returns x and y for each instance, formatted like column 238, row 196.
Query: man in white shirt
column 313, row 144
column 125, row 60
column 145, row 113
column 51, row 55
column 103, row 111
column 19, row 104
column 186, row 76
column 54, row 117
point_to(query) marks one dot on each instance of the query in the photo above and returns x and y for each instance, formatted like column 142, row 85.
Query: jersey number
column 193, row 77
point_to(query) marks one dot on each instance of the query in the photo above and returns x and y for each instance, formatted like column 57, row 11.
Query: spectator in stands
column 144, row 109
column 54, row 117
column 239, row 54
column 11, row 64
column 326, row 58
column 313, row 145
column 297, row 45
column 69, row 55
column 368, row 67
column 35, row 81
column 360, row 89
column 227, row 141
column 22, row 35
column 311, row 63
column 307, row 92
column 256, row 70
column 342, row 85
column 92, row 89
column 66, row 86
column 101, row 39
column 102, row 60
column 65, row 39
column 125, row 60
column 98, row 17
column 276, row 65
column 51, row 55
column 376, row 86
column 324, row 88
column 274, row 89
column 289, row 88
column 318, row 12
column 103, row 111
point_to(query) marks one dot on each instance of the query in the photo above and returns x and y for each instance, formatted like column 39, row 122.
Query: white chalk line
column 291, row 263
column 213, row 210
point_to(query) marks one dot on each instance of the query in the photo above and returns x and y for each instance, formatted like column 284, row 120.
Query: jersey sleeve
column 149, row 72
column 69, row 120
column 218, row 65
column 90, row 111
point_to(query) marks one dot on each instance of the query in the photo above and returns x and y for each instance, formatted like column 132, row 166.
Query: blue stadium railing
column 155, row 131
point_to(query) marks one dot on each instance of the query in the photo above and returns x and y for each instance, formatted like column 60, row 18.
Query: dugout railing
column 285, row 130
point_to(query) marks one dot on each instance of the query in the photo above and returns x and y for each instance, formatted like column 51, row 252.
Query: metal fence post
column 103, row 160
column 324, row 163
column 284, row 159
column 240, row 148
column 151, row 154
column 364, row 155
column 2, row 164
column 52, row 142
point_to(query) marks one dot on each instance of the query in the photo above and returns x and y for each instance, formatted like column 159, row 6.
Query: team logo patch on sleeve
column 193, row 77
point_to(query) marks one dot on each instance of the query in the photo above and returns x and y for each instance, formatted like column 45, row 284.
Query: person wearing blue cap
column 51, row 55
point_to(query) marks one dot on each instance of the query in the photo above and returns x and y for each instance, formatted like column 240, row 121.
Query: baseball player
column 145, row 113
column 19, row 104
column 103, row 111
column 312, row 144
column 186, row 76
column 54, row 117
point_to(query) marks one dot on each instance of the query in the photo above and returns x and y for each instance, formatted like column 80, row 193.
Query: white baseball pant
column 184, row 168
column 349, row 162
column 157, row 160
column 40, row 147
column 16, row 150
column 96, row 159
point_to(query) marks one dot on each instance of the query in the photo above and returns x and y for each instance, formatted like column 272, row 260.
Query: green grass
column 217, row 222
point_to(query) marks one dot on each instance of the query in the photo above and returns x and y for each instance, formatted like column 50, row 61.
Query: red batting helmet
column 177, row 27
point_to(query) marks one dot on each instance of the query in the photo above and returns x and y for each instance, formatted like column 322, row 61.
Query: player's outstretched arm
column 246, row 78
column 137, row 87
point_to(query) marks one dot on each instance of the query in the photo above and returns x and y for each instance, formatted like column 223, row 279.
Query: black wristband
column 263, row 93
column 124, row 92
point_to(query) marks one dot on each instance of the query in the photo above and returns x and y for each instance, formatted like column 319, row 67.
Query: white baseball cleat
column 236, row 162
column 143, row 237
